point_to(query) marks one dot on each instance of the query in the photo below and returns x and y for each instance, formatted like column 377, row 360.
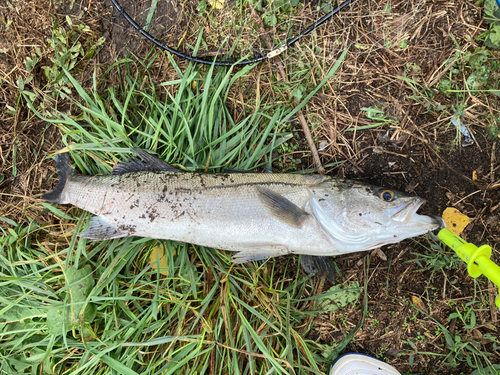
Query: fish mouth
column 404, row 213
column 407, row 213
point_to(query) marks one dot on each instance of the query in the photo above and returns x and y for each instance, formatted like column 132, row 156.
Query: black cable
column 271, row 54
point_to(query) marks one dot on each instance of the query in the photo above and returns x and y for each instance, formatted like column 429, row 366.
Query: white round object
column 360, row 364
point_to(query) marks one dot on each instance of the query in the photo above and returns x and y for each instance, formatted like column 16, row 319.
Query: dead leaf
column 217, row 4
column 455, row 220
column 417, row 301
column 381, row 254
column 158, row 258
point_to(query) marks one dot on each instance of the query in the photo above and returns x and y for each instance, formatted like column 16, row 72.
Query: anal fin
column 100, row 230
column 259, row 252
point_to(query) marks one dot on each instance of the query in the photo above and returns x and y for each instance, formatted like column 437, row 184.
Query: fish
column 255, row 215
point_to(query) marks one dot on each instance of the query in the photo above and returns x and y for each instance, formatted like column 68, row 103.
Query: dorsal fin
column 241, row 171
column 149, row 163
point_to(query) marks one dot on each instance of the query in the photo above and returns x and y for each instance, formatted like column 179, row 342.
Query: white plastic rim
column 361, row 364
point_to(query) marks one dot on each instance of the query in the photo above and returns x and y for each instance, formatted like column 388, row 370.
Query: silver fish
column 257, row 215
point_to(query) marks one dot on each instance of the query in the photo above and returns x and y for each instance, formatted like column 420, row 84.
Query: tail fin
column 65, row 172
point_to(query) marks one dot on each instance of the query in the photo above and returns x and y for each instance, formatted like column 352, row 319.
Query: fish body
column 257, row 215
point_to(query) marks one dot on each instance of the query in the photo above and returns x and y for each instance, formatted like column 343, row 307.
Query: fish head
column 362, row 217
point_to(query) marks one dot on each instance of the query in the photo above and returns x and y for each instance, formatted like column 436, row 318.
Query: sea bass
column 257, row 215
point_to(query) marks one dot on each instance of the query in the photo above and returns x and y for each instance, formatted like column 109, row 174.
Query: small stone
column 392, row 352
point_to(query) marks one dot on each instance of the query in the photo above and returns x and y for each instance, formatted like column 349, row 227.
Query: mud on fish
column 256, row 215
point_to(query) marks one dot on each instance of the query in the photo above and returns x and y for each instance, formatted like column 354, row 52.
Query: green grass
column 202, row 313
column 461, row 346
column 102, row 308
column 71, row 306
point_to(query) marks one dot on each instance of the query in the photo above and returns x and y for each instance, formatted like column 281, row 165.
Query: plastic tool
column 477, row 259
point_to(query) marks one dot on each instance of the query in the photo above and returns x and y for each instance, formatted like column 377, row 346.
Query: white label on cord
column 277, row 51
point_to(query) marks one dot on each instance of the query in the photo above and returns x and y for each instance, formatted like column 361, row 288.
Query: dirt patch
column 165, row 17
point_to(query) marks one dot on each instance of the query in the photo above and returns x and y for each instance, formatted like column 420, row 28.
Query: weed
column 273, row 9
column 420, row 93
column 482, row 72
column 437, row 258
column 492, row 130
column 460, row 347
column 69, row 48
column 492, row 16
column 375, row 323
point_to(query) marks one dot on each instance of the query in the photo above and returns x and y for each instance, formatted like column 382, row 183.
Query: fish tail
column 65, row 173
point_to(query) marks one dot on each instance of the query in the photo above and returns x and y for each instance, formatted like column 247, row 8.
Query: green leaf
column 491, row 11
column 326, row 7
column 490, row 370
column 298, row 92
column 56, row 211
column 493, row 38
column 80, row 283
column 20, row 83
column 8, row 221
column 324, row 349
column 411, row 360
column 19, row 365
column 20, row 313
column 58, row 320
column 492, row 131
column 64, row 317
column 453, row 316
column 339, row 296
column 271, row 20
column 118, row 366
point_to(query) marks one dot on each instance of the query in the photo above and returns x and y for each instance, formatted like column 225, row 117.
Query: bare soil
column 416, row 153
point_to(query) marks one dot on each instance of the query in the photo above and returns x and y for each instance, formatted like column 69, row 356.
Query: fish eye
column 387, row 195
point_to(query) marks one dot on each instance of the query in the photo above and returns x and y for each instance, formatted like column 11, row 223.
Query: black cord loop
column 269, row 55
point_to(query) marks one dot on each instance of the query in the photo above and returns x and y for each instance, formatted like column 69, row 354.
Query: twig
column 491, row 295
column 300, row 115
column 464, row 198
column 492, row 162
column 435, row 78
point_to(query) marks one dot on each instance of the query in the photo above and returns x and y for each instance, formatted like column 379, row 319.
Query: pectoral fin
column 100, row 230
column 281, row 208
